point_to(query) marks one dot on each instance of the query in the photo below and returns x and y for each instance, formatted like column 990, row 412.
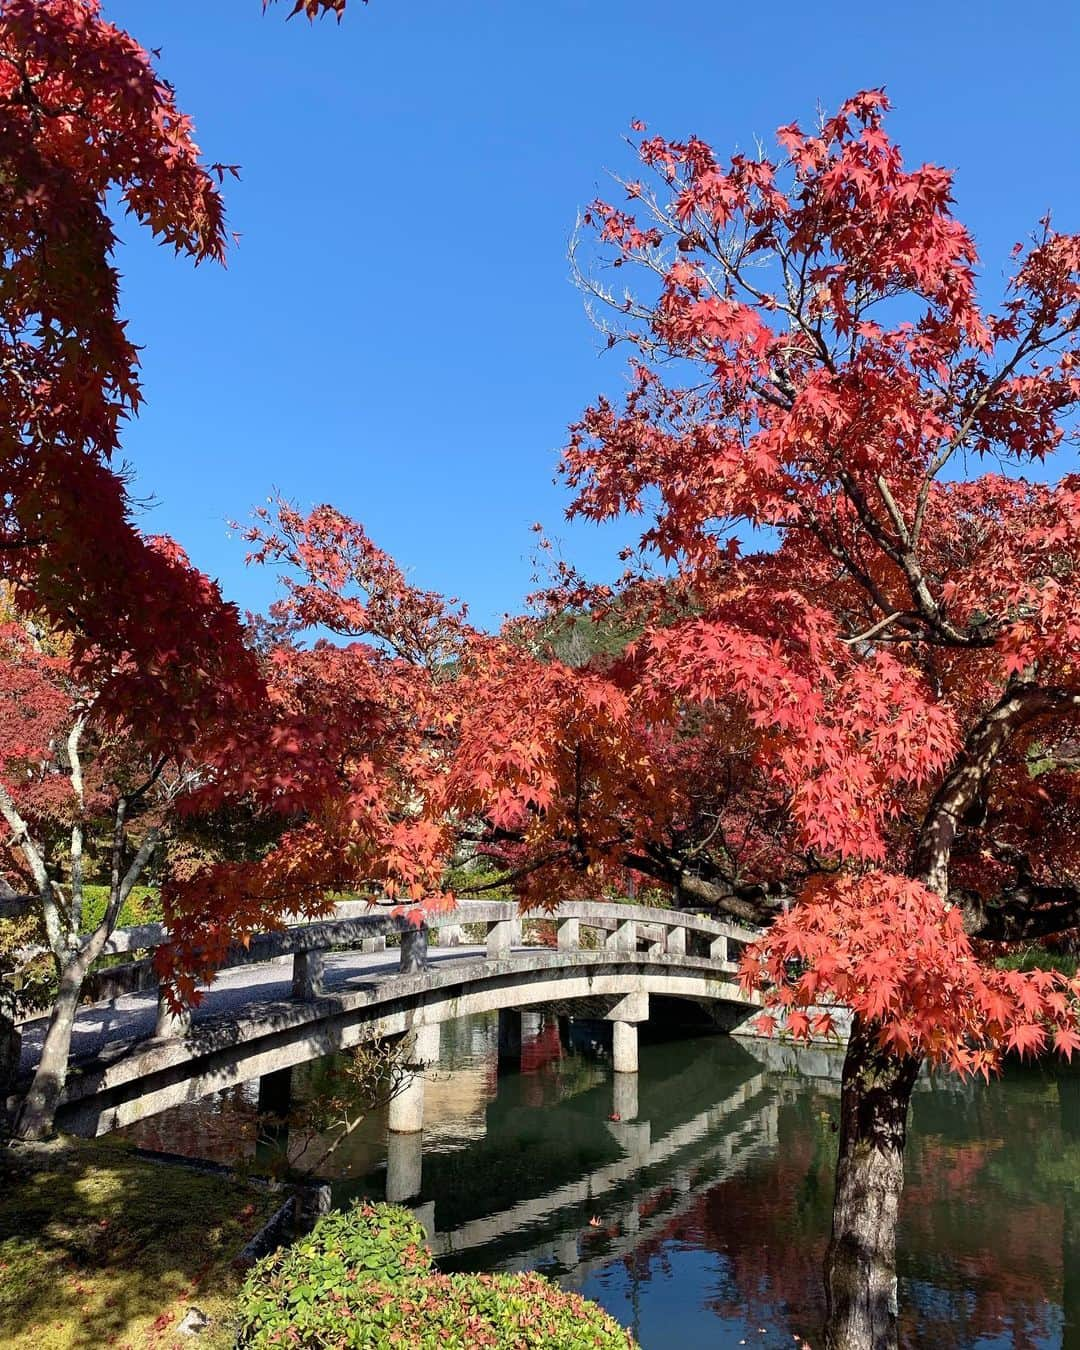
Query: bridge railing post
column 170, row 1023
column 623, row 938
column 568, row 934
column 653, row 935
column 307, row 974
column 718, row 948
column 414, row 949
column 675, row 942
column 502, row 935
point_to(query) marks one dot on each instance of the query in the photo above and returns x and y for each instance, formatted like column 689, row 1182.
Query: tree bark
column 37, row 1114
column 10, row 1039
column 860, row 1265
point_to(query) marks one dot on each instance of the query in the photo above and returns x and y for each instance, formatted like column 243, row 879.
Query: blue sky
column 396, row 332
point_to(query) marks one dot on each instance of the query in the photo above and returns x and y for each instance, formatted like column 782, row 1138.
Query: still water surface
column 699, row 1217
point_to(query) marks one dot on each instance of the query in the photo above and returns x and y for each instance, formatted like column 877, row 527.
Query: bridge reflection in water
column 700, row 1215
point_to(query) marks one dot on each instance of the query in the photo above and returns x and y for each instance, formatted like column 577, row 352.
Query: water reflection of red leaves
column 651, row 1204
column 541, row 1050
column 536, row 1054
column 983, row 1252
column 222, row 1129
column 1006, row 1278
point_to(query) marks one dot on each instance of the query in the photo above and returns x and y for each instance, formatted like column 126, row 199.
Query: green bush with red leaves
column 364, row 1278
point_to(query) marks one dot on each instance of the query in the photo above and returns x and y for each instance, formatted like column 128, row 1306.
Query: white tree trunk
column 37, row 1114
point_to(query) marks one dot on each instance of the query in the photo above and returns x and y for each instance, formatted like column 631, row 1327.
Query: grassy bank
column 1039, row 958
column 101, row 1248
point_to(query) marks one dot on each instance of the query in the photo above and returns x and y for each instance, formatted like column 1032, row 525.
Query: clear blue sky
column 396, row 332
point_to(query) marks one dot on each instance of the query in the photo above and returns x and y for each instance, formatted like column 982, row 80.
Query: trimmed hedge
column 364, row 1278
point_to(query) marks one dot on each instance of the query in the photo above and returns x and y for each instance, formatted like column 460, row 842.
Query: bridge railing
column 620, row 928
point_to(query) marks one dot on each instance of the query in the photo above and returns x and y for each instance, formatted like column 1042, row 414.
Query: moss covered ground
column 101, row 1248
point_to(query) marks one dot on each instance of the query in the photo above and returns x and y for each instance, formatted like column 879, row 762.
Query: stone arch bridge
column 317, row 988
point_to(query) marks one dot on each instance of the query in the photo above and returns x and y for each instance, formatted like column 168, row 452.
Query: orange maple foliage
column 84, row 120
column 901, row 658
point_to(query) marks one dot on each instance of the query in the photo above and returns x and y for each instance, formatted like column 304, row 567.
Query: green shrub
column 143, row 905
column 365, row 1241
column 364, row 1278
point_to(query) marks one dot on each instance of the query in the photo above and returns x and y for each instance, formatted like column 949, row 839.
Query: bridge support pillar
column 170, row 1023
column 509, row 1040
column 624, row 1094
column 624, row 1054
column 406, row 1115
column 624, row 1017
column 404, row 1166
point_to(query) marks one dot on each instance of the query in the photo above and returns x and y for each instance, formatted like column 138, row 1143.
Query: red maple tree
column 349, row 750
column 811, row 360
column 85, row 798
column 84, row 121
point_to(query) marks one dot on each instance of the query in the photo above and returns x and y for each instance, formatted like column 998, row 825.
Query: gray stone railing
column 356, row 924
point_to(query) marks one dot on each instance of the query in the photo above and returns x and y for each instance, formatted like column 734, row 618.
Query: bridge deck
column 132, row 1017
column 312, row 989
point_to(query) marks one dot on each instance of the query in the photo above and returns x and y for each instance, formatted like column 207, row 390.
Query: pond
column 699, row 1216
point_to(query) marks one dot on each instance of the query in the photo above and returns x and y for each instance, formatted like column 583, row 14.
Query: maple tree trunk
column 860, row 1265
column 37, row 1114
column 10, row 1039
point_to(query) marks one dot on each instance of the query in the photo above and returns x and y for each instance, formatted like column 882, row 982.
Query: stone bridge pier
column 405, row 1122
column 624, row 1016
column 407, row 1102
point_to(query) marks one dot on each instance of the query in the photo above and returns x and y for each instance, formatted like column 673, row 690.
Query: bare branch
column 879, row 627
